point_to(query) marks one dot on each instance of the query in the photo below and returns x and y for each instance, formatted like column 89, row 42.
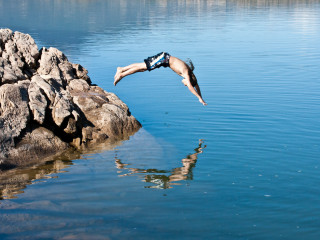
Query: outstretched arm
column 196, row 93
column 182, row 69
column 199, row 92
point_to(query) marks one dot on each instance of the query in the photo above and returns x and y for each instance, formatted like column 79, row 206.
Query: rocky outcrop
column 48, row 104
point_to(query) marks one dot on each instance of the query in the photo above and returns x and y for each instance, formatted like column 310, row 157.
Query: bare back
column 179, row 67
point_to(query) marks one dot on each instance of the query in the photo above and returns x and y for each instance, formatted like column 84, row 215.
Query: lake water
column 244, row 167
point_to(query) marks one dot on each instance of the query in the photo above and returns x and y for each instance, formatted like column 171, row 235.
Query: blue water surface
column 244, row 167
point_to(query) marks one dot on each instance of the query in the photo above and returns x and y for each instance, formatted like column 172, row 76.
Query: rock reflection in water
column 164, row 178
column 18, row 180
column 12, row 182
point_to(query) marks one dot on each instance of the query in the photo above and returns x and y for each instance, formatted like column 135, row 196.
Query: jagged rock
column 36, row 143
column 78, row 85
column 62, row 107
column 81, row 72
column 104, row 110
column 48, row 104
column 19, row 54
column 37, row 102
column 27, row 49
column 44, row 86
column 5, row 35
column 14, row 114
column 53, row 62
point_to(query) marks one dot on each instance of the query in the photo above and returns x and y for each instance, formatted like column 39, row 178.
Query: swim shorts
column 159, row 60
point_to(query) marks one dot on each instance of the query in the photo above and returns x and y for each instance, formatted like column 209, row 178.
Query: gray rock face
column 14, row 114
column 18, row 56
column 48, row 104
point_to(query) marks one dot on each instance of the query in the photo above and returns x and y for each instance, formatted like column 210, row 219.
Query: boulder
column 14, row 115
column 37, row 143
column 48, row 104
column 54, row 63
column 104, row 111
column 18, row 56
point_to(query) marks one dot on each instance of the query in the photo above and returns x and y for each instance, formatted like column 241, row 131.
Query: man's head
column 193, row 79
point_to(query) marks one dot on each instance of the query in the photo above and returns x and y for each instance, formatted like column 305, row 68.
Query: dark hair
column 189, row 63
column 193, row 80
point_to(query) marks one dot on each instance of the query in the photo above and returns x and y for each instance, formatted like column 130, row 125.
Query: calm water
column 245, row 167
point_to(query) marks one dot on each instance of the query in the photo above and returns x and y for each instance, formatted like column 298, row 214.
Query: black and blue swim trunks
column 159, row 60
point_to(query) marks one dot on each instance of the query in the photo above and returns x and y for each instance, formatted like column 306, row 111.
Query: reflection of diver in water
column 159, row 177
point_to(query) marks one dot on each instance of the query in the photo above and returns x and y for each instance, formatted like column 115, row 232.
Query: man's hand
column 203, row 102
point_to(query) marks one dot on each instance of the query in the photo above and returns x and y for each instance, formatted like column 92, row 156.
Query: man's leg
column 131, row 69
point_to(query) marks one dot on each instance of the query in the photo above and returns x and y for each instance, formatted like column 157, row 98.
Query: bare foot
column 117, row 77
